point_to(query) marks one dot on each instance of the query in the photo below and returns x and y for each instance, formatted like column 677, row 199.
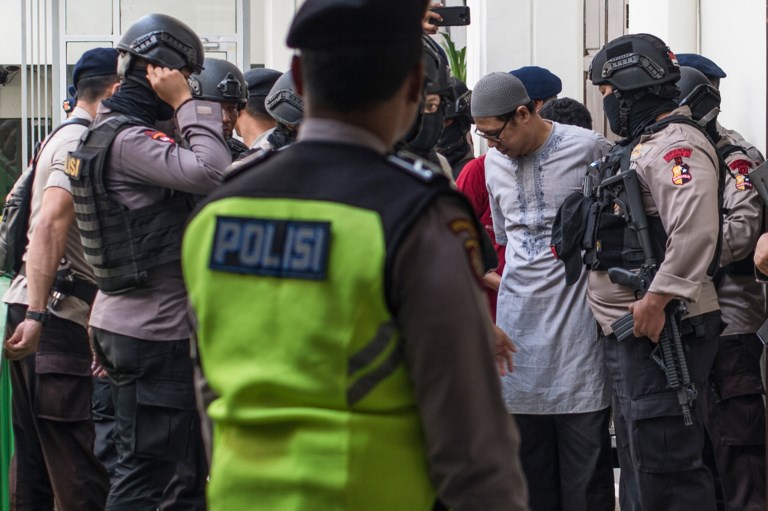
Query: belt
column 77, row 287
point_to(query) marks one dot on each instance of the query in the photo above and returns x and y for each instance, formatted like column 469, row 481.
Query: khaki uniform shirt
column 741, row 296
column 50, row 173
column 736, row 138
column 677, row 169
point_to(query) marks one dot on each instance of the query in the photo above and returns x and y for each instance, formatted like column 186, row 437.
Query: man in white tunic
column 558, row 391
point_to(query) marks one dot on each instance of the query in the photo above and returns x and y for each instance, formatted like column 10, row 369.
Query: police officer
column 733, row 401
column 286, row 106
column 133, row 188
column 714, row 74
column 51, row 357
column 254, row 123
column 317, row 265
column 676, row 167
column 425, row 133
column 455, row 143
column 222, row 82
column 541, row 84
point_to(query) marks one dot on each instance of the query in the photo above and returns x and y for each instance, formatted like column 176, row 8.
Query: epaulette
column 414, row 165
column 247, row 160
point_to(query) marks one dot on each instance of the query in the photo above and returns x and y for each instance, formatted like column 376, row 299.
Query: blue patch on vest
column 272, row 248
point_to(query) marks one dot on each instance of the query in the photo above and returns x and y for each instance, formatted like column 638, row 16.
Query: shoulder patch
column 471, row 244
column 637, row 151
column 418, row 167
column 159, row 135
column 269, row 247
column 742, row 168
column 681, row 172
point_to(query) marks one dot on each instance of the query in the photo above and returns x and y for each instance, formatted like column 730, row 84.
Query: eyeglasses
column 493, row 137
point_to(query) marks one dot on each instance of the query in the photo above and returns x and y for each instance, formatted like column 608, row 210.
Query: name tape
column 271, row 247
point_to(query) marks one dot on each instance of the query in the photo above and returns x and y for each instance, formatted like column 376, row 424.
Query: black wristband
column 42, row 317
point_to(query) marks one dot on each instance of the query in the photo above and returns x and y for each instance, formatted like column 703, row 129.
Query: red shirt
column 471, row 182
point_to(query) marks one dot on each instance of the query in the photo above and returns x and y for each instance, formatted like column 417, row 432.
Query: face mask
column 612, row 110
column 453, row 142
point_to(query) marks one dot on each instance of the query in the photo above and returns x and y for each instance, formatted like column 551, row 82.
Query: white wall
column 733, row 34
column 507, row 34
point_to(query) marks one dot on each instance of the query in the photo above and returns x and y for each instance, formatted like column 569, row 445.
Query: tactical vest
column 609, row 240
column 121, row 244
column 290, row 264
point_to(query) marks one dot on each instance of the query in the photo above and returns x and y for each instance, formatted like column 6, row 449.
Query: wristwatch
column 40, row 316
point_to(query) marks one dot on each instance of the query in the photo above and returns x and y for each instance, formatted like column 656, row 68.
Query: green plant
column 457, row 59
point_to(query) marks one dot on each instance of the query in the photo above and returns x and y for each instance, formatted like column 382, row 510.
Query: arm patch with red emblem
column 159, row 135
column 742, row 168
column 681, row 172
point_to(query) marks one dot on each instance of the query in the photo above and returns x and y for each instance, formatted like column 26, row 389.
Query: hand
column 504, row 349
column 492, row 280
column 648, row 315
column 426, row 23
column 170, row 85
column 761, row 254
column 24, row 341
column 96, row 369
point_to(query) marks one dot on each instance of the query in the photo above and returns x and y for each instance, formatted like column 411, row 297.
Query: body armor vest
column 121, row 244
column 609, row 240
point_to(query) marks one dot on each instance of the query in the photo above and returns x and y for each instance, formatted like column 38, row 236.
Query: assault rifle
column 669, row 353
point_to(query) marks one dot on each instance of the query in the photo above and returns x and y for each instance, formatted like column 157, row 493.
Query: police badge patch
column 471, row 244
column 681, row 172
column 159, row 135
column 741, row 168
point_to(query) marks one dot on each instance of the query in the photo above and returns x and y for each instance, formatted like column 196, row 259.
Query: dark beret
column 95, row 62
column 540, row 83
column 261, row 80
column 71, row 100
column 703, row 64
column 332, row 24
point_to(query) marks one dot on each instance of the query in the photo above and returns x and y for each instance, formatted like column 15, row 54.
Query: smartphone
column 456, row 16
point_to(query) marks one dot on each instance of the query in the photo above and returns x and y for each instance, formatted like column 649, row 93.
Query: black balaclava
column 453, row 142
column 628, row 116
column 136, row 98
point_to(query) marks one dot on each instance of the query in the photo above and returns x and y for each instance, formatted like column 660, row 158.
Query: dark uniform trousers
column 659, row 456
column 735, row 412
column 53, row 447
column 161, row 459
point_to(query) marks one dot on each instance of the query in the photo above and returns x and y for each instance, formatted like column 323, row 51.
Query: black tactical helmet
column 220, row 81
column 697, row 93
column 436, row 72
column 282, row 102
column 633, row 62
column 161, row 40
column 458, row 106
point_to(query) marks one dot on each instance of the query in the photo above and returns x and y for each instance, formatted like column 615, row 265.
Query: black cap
column 331, row 24
column 566, row 238
column 95, row 62
column 261, row 80
column 702, row 63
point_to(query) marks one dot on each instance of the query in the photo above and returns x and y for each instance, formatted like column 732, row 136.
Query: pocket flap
column 62, row 363
column 663, row 404
column 166, row 394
